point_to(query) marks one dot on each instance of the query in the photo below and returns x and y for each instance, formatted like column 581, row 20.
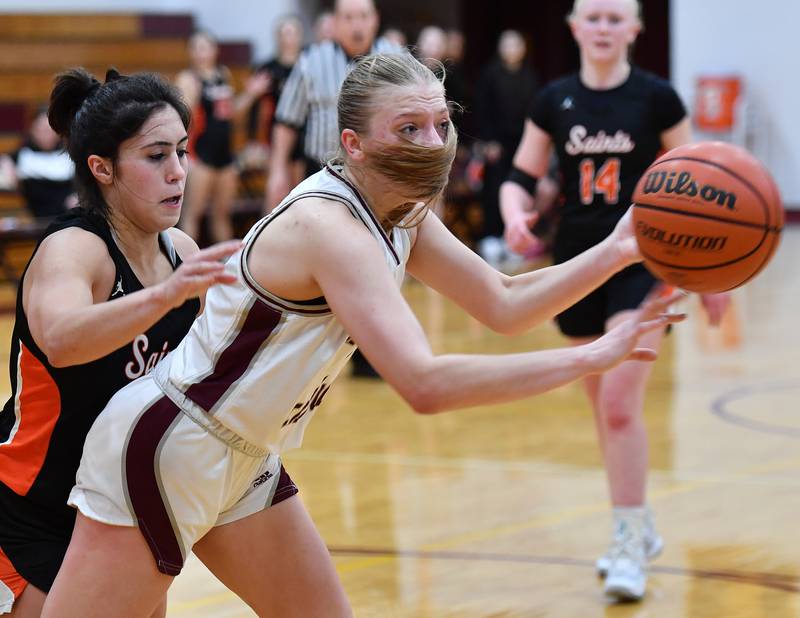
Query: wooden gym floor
column 501, row 511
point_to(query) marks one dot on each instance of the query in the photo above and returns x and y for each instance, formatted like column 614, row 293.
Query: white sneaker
column 653, row 546
column 626, row 575
column 626, row 579
column 653, row 543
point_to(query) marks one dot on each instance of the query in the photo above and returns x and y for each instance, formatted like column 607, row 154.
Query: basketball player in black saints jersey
column 103, row 298
column 607, row 124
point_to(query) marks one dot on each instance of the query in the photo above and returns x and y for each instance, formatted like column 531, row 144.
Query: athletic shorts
column 149, row 464
column 623, row 291
column 34, row 536
column 11, row 584
column 213, row 148
column 215, row 160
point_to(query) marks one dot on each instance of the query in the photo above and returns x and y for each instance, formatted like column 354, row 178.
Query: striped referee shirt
column 311, row 92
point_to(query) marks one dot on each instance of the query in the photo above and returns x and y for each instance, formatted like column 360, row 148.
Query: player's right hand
column 518, row 235
column 199, row 272
column 620, row 343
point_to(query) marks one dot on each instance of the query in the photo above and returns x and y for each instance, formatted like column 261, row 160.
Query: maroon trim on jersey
column 142, row 480
column 275, row 301
column 364, row 205
column 284, row 304
column 256, row 328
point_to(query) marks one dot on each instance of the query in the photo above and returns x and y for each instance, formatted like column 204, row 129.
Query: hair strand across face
column 419, row 172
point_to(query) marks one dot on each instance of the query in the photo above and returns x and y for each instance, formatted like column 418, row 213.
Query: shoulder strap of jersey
column 168, row 247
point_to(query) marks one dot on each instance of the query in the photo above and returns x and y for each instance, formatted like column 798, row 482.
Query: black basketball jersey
column 262, row 112
column 212, row 121
column 604, row 139
column 45, row 421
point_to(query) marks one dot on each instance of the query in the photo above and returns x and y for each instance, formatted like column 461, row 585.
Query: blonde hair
column 635, row 4
column 421, row 172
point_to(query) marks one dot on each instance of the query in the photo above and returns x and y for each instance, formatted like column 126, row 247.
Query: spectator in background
column 41, row 170
column 396, row 36
column 457, row 88
column 432, row 46
column 455, row 46
column 504, row 94
column 289, row 37
column 207, row 88
column 324, row 27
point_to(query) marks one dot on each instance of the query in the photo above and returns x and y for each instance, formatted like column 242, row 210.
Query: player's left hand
column 624, row 240
column 715, row 306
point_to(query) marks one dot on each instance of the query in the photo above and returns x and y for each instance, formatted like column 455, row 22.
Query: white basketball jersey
column 260, row 364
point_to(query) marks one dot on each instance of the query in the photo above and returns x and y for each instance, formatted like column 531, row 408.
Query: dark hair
column 96, row 118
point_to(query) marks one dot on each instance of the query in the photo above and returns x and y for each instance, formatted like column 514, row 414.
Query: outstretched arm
column 507, row 304
column 348, row 266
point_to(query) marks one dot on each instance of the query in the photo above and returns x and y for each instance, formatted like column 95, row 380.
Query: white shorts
column 146, row 463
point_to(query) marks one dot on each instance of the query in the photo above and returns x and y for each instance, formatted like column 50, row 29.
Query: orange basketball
column 708, row 217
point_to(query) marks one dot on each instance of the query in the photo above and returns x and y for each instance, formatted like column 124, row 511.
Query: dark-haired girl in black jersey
column 607, row 123
column 109, row 290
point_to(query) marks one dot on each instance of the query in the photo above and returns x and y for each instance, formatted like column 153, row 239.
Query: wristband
column 523, row 179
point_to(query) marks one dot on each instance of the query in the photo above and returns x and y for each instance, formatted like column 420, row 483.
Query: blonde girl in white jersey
column 188, row 460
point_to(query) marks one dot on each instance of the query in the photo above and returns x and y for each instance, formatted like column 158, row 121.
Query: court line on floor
column 556, row 518
column 777, row 581
column 719, row 408
column 553, row 470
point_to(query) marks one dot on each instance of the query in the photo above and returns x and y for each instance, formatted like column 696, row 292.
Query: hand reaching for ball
column 624, row 239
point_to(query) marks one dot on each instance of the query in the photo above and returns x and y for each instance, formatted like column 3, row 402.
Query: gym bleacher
column 34, row 47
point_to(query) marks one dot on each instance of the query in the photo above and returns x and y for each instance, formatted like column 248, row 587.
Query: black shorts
column 217, row 159
column 214, row 150
column 34, row 538
column 623, row 291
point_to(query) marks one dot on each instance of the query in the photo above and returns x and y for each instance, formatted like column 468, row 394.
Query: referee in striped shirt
column 310, row 94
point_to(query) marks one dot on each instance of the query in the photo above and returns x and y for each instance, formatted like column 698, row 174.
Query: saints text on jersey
column 580, row 142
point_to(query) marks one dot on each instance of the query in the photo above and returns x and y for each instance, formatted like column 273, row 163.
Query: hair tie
column 92, row 90
column 113, row 75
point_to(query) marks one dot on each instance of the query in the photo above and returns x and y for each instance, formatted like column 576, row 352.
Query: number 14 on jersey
column 605, row 181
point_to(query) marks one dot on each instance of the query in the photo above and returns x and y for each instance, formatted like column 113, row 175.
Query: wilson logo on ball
column 684, row 241
column 682, row 183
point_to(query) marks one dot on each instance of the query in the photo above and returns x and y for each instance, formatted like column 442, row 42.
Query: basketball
column 707, row 217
